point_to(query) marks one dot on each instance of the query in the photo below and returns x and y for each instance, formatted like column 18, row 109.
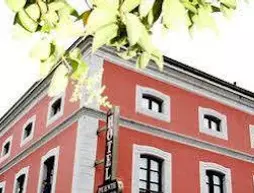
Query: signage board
column 111, row 185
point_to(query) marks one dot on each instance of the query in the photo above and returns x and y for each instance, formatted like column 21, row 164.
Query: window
column 48, row 172
column 152, row 103
column 212, row 123
column 20, row 183
column 150, row 174
column 214, row 178
column 28, row 130
column 214, row 181
column 2, row 187
column 55, row 109
column 154, row 170
column 6, row 148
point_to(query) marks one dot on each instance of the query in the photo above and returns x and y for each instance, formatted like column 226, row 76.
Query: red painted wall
column 66, row 140
column 40, row 109
column 184, row 107
column 185, row 163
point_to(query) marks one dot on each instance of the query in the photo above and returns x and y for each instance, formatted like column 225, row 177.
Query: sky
column 228, row 56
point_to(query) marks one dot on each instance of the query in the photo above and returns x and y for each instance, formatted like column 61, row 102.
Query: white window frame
column 164, row 115
column 27, row 139
column 53, row 152
column 2, row 185
column 3, row 157
column 251, row 129
column 223, row 134
column 203, row 166
column 138, row 150
column 50, row 119
column 21, row 172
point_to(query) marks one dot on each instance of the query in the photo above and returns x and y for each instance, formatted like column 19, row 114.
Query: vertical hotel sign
column 111, row 184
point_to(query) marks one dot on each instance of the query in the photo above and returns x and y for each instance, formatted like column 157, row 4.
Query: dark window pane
column 48, row 174
column 212, row 122
column 20, row 184
column 152, row 103
column 6, row 148
column 215, row 181
column 28, row 130
column 56, row 107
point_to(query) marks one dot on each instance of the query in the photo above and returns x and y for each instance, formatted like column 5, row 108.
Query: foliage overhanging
column 116, row 23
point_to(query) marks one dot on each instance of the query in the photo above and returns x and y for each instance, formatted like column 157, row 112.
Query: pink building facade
column 180, row 130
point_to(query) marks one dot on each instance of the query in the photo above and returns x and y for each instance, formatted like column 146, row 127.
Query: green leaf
column 133, row 27
column 67, row 10
column 190, row 7
column 145, row 6
column 46, row 66
column 130, row 53
column 118, row 42
column 157, row 57
column 173, row 14
column 56, row 5
column 67, row 28
column 85, row 16
column 33, row 11
column 143, row 60
column 43, row 6
column 82, row 68
column 75, row 54
column 28, row 23
column 129, row 5
column 229, row 3
column 99, row 18
column 41, row 50
column 15, row 5
column 108, row 4
column 59, row 81
column 104, row 35
column 145, row 40
column 155, row 13
column 50, row 20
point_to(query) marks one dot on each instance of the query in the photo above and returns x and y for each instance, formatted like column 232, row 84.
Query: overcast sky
column 228, row 56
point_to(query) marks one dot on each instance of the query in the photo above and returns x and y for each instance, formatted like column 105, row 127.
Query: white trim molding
column 51, row 119
column 138, row 150
column 23, row 140
column 223, row 134
column 251, row 128
column 2, row 186
column 204, row 166
column 24, row 171
column 53, row 152
column 3, row 157
column 85, row 155
column 164, row 115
